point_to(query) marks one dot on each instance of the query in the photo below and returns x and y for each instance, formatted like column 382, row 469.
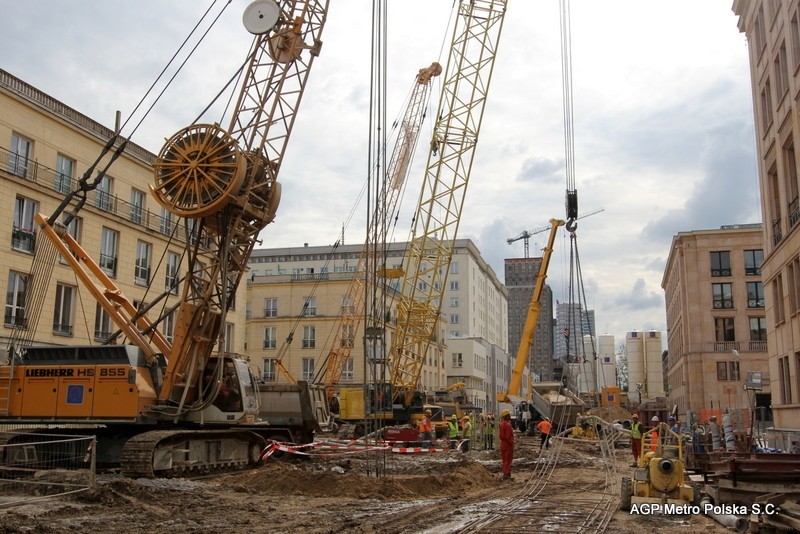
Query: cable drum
column 199, row 171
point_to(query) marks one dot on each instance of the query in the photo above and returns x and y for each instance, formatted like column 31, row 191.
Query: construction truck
column 160, row 406
column 659, row 476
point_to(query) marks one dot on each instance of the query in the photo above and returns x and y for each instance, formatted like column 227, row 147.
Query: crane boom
column 464, row 91
column 396, row 173
column 534, row 307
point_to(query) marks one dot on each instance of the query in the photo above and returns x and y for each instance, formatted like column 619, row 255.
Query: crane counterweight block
column 199, row 171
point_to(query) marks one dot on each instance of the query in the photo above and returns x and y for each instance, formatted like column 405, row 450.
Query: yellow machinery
column 659, row 477
column 158, row 405
column 514, row 393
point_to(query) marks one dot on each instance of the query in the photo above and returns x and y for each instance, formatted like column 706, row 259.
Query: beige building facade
column 471, row 347
column 45, row 147
column 716, row 321
column 772, row 28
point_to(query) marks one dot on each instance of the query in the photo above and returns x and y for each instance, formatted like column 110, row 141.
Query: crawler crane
column 160, row 406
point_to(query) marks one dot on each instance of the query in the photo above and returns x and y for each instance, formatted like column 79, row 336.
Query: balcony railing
column 730, row 346
column 794, row 212
column 17, row 320
column 22, row 239
column 62, row 329
column 777, row 233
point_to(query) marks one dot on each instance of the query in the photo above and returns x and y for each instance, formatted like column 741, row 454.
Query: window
column 723, row 328
column 722, row 295
column 270, row 337
column 141, row 274
column 781, row 71
column 64, row 173
column 790, row 176
column 722, row 370
column 348, row 373
column 309, row 306
column 270, row 370
column 454, row 302
column 230, row 337
column 309, row 337
column 348, row 305
column 73, row 229
column 458, row 359
column 23, row 235
column 271, row 307
column 62, row 315
column 169, row 326
column 785, row 380
column 721, row 263
column 348, row 333
column 795, row 35
column 454, row 267
column 20, row 156
column 454, row 318
column 16, row 298
column 454, row 285
column 733, row 370
column 777, row 299
column 102, row 195
column 102, row 324
column 307, row 372
column 752, row 261
column 137, row 206
column 171, row 273
column 760, row 33
column 766, row 106
column 166, row 224
column 758, row 328
column 109, row 241
column 755, row 295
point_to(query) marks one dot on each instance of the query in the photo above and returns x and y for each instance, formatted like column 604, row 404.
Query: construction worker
column 654, row 434
column 544, row 427
column 453, row 431
column 490, row 430
column 506, row 443
column 426, row 429
column 636, row 439
column 674, row 427
column 466, row 433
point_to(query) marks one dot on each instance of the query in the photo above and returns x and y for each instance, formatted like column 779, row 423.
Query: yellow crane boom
column 514, row 393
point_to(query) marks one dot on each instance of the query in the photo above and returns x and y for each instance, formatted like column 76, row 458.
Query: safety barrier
column 346, row 447
column 44, row 466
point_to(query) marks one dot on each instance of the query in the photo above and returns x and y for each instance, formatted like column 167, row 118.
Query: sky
column 662, row 120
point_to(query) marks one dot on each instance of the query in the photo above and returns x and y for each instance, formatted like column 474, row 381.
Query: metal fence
column 40, row 466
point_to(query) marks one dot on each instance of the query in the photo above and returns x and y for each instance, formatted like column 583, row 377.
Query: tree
column 622, row 368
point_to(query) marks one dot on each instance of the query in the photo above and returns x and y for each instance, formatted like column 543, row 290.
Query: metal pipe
column 727, row 428
column 739, row 524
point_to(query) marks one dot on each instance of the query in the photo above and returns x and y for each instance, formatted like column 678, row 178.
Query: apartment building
column 45, row 147
column 772, row 28
column 471, row 347
column 716, row 320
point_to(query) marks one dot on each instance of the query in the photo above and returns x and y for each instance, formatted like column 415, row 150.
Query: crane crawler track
column 165, row 453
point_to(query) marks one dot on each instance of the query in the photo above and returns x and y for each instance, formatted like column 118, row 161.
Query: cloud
column 541, row 170
column 639, row 298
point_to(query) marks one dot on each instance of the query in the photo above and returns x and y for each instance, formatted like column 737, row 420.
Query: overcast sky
column 663, row 121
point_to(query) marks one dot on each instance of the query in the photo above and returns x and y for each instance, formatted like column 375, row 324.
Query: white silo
column 653, row 350
column 587, row 366
column 606, row 361
column 634, row 350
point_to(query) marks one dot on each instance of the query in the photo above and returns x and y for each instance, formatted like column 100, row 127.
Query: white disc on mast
column 260, row 16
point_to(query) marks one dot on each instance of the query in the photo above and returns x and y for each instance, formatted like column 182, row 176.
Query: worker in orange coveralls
column 506, row 443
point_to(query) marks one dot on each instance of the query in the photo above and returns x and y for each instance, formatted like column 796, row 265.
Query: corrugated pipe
column 739, row 524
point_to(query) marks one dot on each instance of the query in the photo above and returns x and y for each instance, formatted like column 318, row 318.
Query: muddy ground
column 434, row 492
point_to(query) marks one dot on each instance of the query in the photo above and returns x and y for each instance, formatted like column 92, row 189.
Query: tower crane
column 157, row 403
column 527, row 234
column 396, row 173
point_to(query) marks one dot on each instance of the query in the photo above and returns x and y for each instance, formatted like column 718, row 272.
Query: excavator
column 465, row 86
column 160, row 406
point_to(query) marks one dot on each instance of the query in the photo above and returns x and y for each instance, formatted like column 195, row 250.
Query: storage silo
column 634, row 350
column 606, row 361
column 653, row 350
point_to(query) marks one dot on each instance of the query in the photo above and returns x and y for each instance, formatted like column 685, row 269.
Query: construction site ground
column 432, row 492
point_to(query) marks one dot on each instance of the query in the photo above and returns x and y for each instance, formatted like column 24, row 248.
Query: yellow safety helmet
column 505, row 413
column 427, row 412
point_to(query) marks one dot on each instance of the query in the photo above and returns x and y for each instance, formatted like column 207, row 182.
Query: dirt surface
column 436, row 492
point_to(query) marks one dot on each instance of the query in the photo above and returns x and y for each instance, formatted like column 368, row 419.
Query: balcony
column 794, row 212
column 730, row 346
column 62, row 329
column 23, row 240
column 777, row 232
column 17, row 320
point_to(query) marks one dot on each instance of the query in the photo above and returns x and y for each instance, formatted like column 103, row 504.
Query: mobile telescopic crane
column 161, row 406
